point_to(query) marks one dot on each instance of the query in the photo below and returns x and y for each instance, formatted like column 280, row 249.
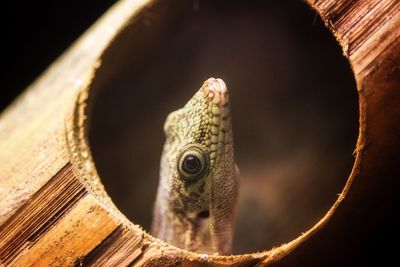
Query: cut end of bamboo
column 58, row 212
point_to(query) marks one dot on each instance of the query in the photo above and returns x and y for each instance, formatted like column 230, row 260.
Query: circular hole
column 294, row 108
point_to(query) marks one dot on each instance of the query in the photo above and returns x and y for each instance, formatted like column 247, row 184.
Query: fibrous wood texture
column 54, row 210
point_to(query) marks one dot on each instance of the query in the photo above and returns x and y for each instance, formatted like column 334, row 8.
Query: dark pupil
column 191, row 164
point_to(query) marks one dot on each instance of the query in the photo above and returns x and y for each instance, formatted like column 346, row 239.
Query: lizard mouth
column 217, row 91
column 217, row 95
column 216, row 85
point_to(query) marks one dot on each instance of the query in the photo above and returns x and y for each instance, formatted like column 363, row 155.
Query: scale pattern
column 205, row 121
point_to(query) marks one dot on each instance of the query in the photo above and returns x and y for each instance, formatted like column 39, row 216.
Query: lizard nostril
column 204, row 214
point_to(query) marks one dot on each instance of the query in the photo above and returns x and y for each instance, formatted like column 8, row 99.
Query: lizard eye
column 192, row 162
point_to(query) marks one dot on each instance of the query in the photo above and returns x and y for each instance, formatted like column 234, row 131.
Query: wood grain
column 54, row 210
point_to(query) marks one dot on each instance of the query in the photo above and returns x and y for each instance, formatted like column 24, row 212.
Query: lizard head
column 198, row 169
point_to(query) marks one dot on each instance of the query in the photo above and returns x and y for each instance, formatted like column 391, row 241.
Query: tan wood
column 54, row 210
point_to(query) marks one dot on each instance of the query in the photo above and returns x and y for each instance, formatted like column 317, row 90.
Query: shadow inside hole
column 294, row 108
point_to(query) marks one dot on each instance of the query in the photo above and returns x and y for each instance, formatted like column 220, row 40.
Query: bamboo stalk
column 55, row 211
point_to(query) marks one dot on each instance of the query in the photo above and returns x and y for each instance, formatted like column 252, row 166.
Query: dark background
column 36, row 33
column 293, row 101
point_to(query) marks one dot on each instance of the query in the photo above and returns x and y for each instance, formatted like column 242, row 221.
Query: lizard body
column 197, row 191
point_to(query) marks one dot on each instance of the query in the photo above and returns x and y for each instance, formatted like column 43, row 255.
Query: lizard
column 198, row 183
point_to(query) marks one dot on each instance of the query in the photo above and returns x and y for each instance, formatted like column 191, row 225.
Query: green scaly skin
column 198, row 214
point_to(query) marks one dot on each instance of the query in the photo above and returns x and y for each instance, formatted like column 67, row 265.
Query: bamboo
column 54, row 210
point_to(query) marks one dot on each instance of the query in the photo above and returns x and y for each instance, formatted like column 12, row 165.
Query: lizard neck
column 197, row 190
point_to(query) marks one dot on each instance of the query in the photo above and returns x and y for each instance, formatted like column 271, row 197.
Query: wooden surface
column 55, row 212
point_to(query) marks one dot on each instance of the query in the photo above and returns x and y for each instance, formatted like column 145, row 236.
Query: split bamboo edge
column 53, row 207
